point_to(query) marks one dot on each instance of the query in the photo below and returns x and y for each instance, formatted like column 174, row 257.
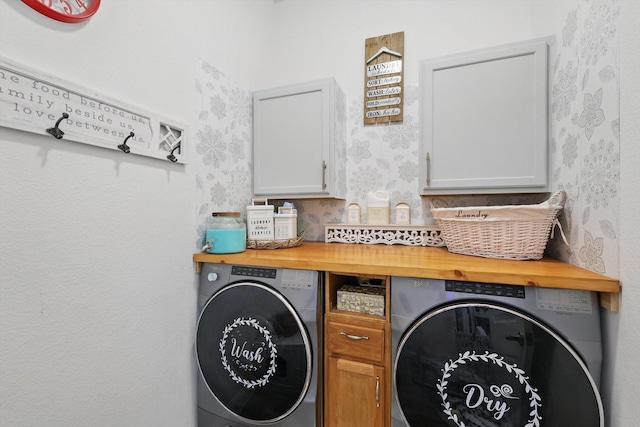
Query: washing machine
column 469, row 354
column 258, row 347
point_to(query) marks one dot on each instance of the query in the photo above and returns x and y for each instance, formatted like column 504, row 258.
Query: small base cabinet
column 352, row 403
column 357, row 357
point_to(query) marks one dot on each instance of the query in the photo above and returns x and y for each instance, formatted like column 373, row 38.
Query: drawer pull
column 377, row 392
column 354, row 337
column 324, row 175
column 428, row 170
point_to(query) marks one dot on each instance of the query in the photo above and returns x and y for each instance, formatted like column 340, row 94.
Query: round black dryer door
column 473, row 364
column 253, row 352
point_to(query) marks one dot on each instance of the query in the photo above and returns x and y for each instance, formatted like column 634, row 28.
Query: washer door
column 484, row 365
column 253, row 352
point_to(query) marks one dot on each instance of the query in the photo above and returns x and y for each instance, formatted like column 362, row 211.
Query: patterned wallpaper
column 584, row 122
column 584, row 147
column 223, row 137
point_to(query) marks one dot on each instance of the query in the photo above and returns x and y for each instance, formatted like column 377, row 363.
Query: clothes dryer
column 257, row 347
column 483, row 355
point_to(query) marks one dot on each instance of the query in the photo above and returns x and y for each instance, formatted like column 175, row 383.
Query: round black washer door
column 485, row 365
column 254, row 352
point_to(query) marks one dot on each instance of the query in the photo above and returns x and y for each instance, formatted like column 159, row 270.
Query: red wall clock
column 71, row 11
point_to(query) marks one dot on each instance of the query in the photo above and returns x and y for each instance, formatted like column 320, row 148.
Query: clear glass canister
column 227, row 234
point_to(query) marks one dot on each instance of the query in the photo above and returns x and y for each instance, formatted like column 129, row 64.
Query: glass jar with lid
column 227, row 234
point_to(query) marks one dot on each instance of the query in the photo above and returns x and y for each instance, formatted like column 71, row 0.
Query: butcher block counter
column 424, row 262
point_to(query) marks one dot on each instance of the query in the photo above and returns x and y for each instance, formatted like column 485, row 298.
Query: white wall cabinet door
column 484, row 121
column 299, row 141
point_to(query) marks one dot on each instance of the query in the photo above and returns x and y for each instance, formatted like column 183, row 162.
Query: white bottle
column 403, row 213
column 353, row 213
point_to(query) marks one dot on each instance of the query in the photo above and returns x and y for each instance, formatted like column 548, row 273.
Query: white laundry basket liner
column 518, row 232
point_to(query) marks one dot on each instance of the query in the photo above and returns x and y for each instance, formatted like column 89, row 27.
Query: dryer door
column 253, row 352
column 484, row 365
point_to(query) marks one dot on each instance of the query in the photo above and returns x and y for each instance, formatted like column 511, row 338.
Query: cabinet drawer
column 355, row 341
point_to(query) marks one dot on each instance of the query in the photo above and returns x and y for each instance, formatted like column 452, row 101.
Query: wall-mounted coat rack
column 33, row 102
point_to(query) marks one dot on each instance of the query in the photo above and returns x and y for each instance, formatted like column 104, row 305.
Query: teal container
column 227, row 235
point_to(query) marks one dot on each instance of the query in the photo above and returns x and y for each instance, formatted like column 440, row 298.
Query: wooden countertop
column 425, row 262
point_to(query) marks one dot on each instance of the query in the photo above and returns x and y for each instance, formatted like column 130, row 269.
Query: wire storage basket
column 517, row 232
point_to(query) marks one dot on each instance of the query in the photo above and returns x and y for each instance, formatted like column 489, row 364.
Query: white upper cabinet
column 299, row 141
column 484, row 121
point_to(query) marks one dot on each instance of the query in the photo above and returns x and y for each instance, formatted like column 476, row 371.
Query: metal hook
column 171, row 156
column 124, row 147
column 55, row 131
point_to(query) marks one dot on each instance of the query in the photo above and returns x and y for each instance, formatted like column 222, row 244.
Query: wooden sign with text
column 49, row 106
column 384, row 79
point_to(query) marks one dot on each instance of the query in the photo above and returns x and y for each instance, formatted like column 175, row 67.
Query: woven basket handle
column 558, row 198
column 555, row 224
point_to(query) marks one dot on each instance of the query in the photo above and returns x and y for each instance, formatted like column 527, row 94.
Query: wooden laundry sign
column 49, row 106
column 384, row 79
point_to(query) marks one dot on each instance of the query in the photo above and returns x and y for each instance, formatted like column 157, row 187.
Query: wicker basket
column 504, row 232
column 275, row 243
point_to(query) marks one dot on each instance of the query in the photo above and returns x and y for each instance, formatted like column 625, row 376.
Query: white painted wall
column 97, row 286
column 623, row 378
column 97, row 290
column 318, row 39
